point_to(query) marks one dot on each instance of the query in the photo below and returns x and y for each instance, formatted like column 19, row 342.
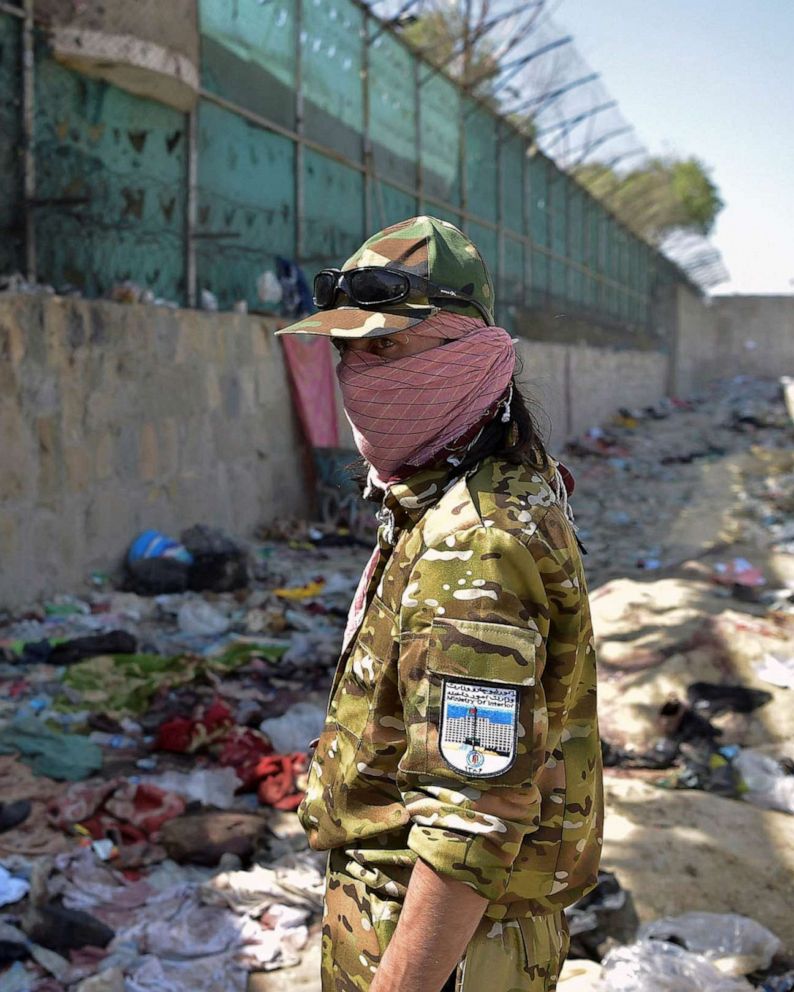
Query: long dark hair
column 518, row 441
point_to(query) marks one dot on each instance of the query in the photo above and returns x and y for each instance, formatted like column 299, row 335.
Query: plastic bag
column 268, row 288
column 767, row 784
column 735, row 944
column 198, row 618
column 655, row 966
column 296, row 728
column 209, row 786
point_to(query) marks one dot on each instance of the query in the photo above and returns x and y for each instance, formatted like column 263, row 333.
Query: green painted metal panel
column 444, row 213
column 538, row 199
column 246, row 203
column 440, row 119
column 558, row 193
column 389, row 205
column 115, row 165
column 539, row 279
column 332, row 52
column 248, row 54
column 333, row 212
column 576, row 227
column 392, row 109
column 510, row 295
column 11, row 212
column 480, row 144
column 513, row 199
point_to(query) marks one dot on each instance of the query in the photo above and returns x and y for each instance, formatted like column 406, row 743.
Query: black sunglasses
column 373, row 286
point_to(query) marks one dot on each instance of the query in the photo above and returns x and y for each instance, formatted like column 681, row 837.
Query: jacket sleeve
column 475, row 623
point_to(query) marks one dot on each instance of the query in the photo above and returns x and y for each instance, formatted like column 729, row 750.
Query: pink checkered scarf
column 405, row 411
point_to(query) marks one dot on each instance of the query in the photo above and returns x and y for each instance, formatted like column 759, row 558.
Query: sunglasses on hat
column 371, row 286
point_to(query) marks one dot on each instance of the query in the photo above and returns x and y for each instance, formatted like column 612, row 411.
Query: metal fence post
column 299, row 148
column 500, row 232
column 29, row 138
column 367, row 144
column 191, row 208
column 420, row 174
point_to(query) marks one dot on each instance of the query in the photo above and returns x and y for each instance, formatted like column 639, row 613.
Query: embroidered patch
column 479, row 726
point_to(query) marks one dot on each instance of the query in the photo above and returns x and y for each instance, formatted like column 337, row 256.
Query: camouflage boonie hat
column 424, row 246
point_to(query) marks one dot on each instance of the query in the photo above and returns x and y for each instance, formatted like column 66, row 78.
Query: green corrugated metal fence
column 315, row 126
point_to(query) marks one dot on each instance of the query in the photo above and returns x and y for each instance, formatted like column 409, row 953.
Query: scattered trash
column 64, row 757
column 198, row 689
column 767, row 783
column 739, row 572
column 208, row 786
column 711, row 700
column 777, row 671
column 218, row 563
column 735, row 944
column 11, row 889
column 209, row 301
column 293, row 731
column 604, row 915
column 655, row 966
column 779, row 983
column 196, row 617
column 268, row 288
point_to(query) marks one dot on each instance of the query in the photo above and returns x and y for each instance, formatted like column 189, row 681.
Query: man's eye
column 384, row 343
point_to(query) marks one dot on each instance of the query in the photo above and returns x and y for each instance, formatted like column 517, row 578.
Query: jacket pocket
column 367, row 689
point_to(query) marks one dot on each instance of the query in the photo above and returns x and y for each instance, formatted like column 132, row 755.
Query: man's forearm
column 437, row 922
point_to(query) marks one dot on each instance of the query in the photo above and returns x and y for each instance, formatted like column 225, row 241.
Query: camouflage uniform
column 479, row 595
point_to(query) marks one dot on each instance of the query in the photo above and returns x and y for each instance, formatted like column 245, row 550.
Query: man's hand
column 436, row 924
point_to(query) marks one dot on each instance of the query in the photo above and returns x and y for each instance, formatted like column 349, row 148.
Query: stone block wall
column 114, row 418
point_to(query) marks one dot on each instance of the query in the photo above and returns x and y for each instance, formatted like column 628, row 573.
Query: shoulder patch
column 478, row 727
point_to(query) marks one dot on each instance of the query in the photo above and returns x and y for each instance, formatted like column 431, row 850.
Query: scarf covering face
column 405, row 411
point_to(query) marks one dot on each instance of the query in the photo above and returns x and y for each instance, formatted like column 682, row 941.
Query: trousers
column 361, row 914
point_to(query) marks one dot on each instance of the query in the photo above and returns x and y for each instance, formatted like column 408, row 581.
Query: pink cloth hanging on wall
column 310, row 363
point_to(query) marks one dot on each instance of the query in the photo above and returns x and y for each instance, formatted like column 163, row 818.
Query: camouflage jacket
column 462, row 722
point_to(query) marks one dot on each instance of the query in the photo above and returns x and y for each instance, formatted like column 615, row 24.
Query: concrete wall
column 114, row 418
column 731, row 335
column 577, row 386
column 755, row 333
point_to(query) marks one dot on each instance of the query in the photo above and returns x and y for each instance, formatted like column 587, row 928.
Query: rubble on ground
column 155, row 728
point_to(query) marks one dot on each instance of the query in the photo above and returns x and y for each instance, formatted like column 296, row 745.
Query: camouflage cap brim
column 354, row 322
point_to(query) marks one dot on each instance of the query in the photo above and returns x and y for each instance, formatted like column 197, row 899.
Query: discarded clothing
column 113, row 642
column 295, row 880
column 186, row 736
column 124, row 685
column 12, row 814
column 276, row 774
column 709, row 699
column 12, row 889
column 124, row 812
column 66, row 757
column 604, row 915
column 218, row 562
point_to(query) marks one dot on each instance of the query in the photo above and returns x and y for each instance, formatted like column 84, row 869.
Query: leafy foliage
column 664, row 195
